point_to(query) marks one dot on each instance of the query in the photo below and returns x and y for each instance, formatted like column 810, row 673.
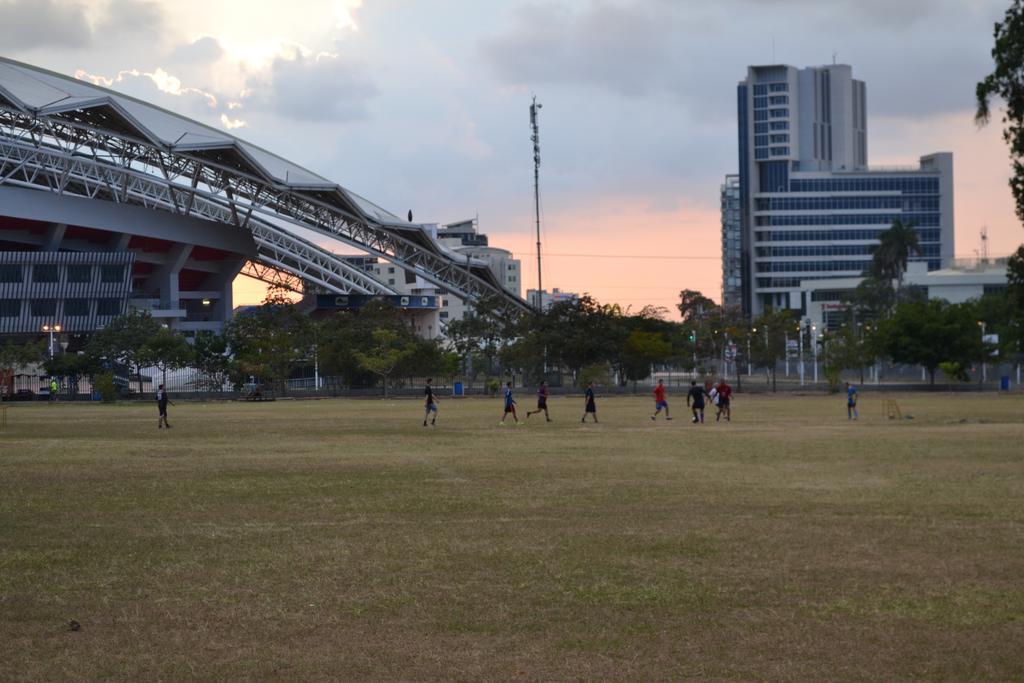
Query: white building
column 823, row 300
column 810, row 207
column 462, row 238
column 548, row 299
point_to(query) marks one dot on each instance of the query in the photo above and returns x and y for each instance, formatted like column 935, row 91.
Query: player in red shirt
column 659, row 401
column 725, row 399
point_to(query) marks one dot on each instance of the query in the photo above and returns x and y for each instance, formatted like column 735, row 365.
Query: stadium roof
column 45, row 93
column 180, row 165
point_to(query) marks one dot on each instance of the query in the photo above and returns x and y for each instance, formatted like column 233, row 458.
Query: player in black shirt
column 697, row 395
column 589, row 406
column 429, row 405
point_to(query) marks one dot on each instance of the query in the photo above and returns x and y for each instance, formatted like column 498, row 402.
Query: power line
column 670, row 257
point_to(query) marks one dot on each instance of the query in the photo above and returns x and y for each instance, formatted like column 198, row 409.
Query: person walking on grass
column 589, row 404
column 725, row 400
column 659, row 401
column 510, row 405
column 696, row 395
column 542, row 402
column 851, row 402
column 161, row 404
column 429, row 405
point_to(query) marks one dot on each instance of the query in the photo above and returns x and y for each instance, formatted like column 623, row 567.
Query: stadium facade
column 108, row 202
column 810, row 206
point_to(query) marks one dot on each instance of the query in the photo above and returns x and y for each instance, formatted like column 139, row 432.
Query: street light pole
column 984, row 374
column 814, row 342
column 800, row 332
column 51, row 329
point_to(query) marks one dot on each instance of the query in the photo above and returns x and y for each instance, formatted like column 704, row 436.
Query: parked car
column 24, row 395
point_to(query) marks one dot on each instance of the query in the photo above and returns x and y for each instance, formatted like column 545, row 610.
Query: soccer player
column 697, row 395
column 851, row 402
column 542, row 402
column 659, row 401
column 589, row 405
column 712, row 392
column 725, row 399
column 510, row 405
column 429, row 405
column 161, row 404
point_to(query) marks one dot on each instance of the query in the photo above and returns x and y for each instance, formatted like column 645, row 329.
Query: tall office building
column 810, row 207
column 732, row 243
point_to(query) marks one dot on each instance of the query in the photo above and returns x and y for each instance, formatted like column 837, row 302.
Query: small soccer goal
column 891, row 409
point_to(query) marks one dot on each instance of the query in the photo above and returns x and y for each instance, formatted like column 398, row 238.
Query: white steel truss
column 73, row 153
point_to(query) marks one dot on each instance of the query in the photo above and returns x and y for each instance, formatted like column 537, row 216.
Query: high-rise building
column 732, row 243
column 810, row 206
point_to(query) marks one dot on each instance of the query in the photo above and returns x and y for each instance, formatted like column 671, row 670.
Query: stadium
column 109, row 203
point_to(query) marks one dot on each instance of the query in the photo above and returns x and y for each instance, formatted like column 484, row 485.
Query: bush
column 492, row 386
column 598, row 373
column 104, row 384
column 833, row 374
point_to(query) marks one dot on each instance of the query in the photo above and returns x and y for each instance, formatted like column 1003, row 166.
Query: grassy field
column 338, row 539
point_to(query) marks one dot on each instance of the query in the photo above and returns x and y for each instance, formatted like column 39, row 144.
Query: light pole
column 51, row 329
column 749, row 368
column 814, row 343
column 800, row 333
column 984, row 376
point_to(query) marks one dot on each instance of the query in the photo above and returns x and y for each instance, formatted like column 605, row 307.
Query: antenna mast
column 535, row 137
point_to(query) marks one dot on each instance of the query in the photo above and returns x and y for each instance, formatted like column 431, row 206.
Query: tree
column 894, row 247
column 73, row 366
column 643, row 349
column 166, row 350
column 770, row 332
column 694, row 307
column 928, row 333
column 268, row 342
column 210, row 355
column 14, row 355
column 385, row 356
column 123, row 339
column 1006, row 82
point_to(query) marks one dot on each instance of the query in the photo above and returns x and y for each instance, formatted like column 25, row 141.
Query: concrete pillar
column 120, row 242
column 165, row 278
column 54, row 236
column 225, row 281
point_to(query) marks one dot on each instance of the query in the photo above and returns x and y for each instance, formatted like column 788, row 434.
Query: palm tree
column 893, row 251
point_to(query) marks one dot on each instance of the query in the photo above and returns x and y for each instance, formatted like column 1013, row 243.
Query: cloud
column 302, row 87
column 205, row 50
column 134, row 18
column 43, row 23
column 33, row 24
column 164, row 82
column 618, row 47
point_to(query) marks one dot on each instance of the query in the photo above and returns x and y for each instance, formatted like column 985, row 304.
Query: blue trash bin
column 1004, row 383
column 457, row 389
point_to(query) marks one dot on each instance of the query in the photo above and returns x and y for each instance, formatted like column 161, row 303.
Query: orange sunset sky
column 666, row 249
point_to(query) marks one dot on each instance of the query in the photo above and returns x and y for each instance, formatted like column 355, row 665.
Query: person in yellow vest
column 54, row 388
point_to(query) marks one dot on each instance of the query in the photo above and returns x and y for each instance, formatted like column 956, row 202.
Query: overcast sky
column 423, row 105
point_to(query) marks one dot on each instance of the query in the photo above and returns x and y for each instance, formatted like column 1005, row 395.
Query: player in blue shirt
column 510, row 405
column 851, row 402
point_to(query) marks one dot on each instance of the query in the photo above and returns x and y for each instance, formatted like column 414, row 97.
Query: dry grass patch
column 325, row 540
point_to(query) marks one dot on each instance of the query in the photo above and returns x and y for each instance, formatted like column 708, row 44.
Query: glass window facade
column 76, row 307
column 10, row 273
column 111, row 274
column 108, row 307
column 44, row 308
column 10, row 308
column 79, row 273
column 45, row 272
